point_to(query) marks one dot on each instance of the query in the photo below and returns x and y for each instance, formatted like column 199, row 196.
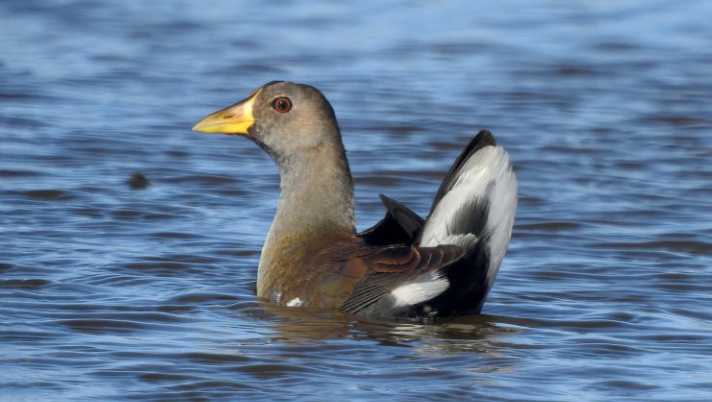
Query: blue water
column 112, row 293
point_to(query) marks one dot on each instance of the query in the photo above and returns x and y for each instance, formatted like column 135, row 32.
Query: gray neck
column 317, row 191
column 316, row 200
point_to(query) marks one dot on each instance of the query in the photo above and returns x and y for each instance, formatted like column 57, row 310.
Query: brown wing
column 368, row 273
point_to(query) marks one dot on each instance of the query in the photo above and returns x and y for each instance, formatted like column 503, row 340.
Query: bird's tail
column 474, row 208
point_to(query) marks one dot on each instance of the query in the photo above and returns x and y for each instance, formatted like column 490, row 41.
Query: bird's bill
column 235, row 119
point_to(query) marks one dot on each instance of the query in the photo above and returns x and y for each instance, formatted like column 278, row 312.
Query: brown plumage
column 312, row 255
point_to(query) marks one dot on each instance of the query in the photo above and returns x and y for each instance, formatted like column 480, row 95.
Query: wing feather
column 390, row 267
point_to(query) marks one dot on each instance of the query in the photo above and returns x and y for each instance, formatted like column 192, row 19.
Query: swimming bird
column 403, row 268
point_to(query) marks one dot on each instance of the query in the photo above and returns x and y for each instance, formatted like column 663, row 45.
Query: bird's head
column 284, row 118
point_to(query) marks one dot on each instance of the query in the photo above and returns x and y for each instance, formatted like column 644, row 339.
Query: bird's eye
column 282, row 104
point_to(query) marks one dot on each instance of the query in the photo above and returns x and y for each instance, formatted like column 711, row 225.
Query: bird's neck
column 317, row 191
column 316, row 206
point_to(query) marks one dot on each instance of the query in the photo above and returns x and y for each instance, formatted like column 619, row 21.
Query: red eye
column 282, row 104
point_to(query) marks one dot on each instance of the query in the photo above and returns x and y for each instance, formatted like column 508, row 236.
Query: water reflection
column 466, row 334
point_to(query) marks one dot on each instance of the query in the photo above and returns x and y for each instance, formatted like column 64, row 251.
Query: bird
column 404, row 268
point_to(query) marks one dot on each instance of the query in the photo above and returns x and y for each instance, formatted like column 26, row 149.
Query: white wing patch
column 417, row 292
column 296, row 302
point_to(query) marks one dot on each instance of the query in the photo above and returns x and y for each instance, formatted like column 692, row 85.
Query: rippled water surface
column 109, row 292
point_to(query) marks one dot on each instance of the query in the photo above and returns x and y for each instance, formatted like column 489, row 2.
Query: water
column 111, row 293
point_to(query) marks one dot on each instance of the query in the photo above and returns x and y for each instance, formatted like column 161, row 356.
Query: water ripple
column 112, row 293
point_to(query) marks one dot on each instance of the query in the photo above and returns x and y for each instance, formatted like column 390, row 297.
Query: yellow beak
column 235, row 119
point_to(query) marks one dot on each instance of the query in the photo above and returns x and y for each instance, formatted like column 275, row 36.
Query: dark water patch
column 237, row 253
column 121, row 322
column 110, row 278
column 202, row 298
column 20, row 122
column 617, row 46
column 232, row 193
column 19, row 173
column 216, row 358
column 103, row 326
column 688, row 285
column 202, row 179
column 533, row 201
column 28, row 284
column 378, row 181
column 159, row 377
column 175, row 235
column 679, row 120
column 630, row 386
column 673, row 341
column 127, row 214
column 576, row 150
column 272, row 370
column 177, row 153
column 89, row 212
column 29, row 336
column 456, row 48
column 403, row 129
column 15, row 96
column 266, row 68
column 692, row 247
column 176, row 309
column 44, row 195
column 208, row 387
column 399, row 129
column 188, row 258
column 703, row 316
column 608, row 348
column 631, row 165
column 573, row 70
column 5, row 267
column 550, row 226
column 162, row 268
column 139, row 215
